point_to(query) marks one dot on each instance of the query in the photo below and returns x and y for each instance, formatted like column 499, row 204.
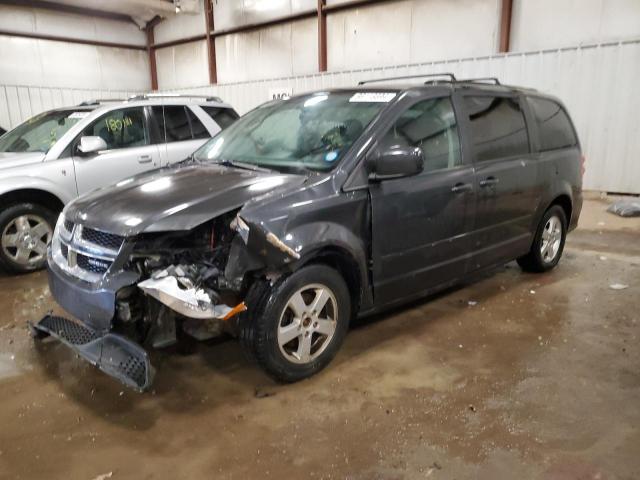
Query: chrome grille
column 102, row 239
column 94, row 265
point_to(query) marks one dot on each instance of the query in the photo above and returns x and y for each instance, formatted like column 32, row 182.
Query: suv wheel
column 548, row 243
column 299, row 325
column 25, row 231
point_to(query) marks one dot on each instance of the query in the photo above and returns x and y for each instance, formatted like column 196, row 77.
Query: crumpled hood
column 173, row 199
column 19, row 159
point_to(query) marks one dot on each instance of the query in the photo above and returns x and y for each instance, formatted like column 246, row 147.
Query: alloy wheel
column 25, row 238
column 307, row 323
column 551, row 239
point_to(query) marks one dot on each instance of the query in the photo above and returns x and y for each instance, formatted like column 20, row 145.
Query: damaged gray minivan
column 310, row 211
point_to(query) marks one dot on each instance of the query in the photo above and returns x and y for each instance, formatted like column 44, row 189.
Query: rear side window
column 554, row 127
column 174, row 123
column 198, row 130
column 498, row 128
column 222, row 116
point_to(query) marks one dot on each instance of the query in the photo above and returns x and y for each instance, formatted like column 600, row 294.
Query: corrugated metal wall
column 19, row 102
column 596, row 82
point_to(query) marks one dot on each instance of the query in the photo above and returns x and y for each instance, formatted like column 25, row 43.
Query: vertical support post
column 505, row 25
column 322, row 36
column 211, row 42
column 151, row 51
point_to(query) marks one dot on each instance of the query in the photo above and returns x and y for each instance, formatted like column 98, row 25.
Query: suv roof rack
column 493, row 80
column 98, row 101
column 148, row 96
column 452, row 77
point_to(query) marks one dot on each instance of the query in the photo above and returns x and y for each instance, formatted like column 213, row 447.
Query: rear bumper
column 114, row 354
column 576, row 209
column 93, row 304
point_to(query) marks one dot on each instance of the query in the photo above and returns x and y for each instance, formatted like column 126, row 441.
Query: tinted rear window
column 498, row 127
column 554, row 127
column 222, row 116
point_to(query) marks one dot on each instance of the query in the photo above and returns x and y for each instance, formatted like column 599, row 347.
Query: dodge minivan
column 309, row 212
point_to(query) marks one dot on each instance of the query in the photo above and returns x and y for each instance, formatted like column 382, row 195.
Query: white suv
column 58, row 155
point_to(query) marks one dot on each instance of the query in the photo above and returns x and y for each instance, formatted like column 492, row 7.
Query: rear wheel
column 25, row 231
column 548, row 243
column 299, row 325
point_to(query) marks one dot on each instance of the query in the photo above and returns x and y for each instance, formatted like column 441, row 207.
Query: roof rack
column 494, row 80
column 148, row 96
column 98, row 101
column 452, row 77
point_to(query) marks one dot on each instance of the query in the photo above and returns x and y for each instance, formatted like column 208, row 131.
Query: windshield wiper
column 243, row 165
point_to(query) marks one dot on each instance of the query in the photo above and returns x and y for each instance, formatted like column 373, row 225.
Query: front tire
column 548, row 243
column 298, row 325
column 25, row 232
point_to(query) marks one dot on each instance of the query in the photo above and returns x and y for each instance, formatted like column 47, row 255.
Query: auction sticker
column 379, row 97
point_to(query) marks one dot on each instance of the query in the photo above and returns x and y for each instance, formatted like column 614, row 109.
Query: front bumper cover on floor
column 114, row 354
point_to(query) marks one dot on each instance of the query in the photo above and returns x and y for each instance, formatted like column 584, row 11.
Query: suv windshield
column 40, row 133
column 308, row 132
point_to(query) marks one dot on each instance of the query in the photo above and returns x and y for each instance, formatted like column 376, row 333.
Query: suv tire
column 548, row 243
column 288, row 337
column 25, row 231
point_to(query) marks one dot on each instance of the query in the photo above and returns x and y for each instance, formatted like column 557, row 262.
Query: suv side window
column 498, row 127
column 430, row 125
column 554, row 127
column 123, row 128
column 222, row 116
column 173, row 122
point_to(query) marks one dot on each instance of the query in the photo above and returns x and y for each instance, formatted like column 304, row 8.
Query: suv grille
column 94, row 265
column 103, row 239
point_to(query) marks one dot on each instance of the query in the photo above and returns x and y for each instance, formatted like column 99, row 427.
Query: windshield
column 310, row 132
column 40, row 133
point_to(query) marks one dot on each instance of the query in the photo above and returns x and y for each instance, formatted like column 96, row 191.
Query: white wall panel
column 542, row 24
column 27, row 61
column 232, row 13
column 19, row 102
column 46, row 22
column 181, row 26
column 594, row 81
column 182, row 66
column 287, row 49
column 411, row 31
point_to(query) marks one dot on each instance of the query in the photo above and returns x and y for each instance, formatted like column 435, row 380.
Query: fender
column 15, row 184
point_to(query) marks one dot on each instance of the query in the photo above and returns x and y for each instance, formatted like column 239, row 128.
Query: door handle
column 144, row 159
column 489, row 181
column 461, row 187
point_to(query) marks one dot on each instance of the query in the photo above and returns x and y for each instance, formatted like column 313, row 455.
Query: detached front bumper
column 114, row 354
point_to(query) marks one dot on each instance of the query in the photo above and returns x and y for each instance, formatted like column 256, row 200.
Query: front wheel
column 299, row 325
column 25, row 231
column 548, row 243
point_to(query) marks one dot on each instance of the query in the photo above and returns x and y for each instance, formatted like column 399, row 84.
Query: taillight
column 582, row 161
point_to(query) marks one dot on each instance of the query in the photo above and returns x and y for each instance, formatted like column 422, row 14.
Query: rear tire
column 25, row 232
column 296, row 327
column 548, row 242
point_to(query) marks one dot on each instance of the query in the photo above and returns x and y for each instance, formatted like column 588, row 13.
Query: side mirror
column 395, row 162
column 91, row 145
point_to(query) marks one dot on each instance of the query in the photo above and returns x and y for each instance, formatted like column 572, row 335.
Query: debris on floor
column 626, row 208
column 618, row 286
column 261, row 393
column 104, row 476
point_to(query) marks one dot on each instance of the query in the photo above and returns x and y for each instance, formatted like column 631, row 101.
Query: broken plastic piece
column 241, row 307
column 191, row 302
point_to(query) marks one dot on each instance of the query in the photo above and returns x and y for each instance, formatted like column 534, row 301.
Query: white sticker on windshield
column 381, row 97
column 79, row 114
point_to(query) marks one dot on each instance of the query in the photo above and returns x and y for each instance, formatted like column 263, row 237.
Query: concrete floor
column 538, row 379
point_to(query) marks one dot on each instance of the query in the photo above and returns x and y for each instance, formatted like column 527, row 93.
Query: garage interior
column 509, row 375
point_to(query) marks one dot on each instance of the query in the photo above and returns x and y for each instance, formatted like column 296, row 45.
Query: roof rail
column 494, row 80
column 148, row 96
column 452, row 77
column 98, row 101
